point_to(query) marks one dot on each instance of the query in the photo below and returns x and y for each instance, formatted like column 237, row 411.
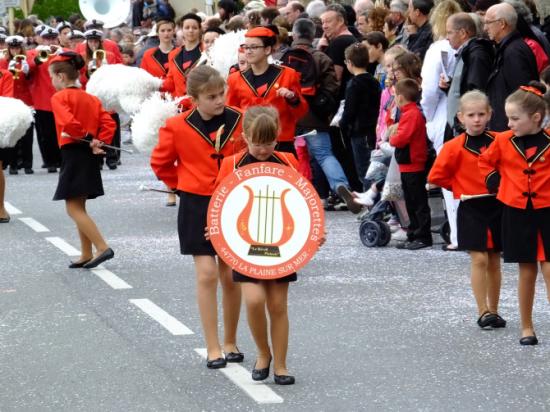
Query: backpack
column 302, row 60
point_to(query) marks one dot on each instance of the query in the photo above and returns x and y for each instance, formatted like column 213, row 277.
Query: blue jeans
column 361, row 158
column 320, row 149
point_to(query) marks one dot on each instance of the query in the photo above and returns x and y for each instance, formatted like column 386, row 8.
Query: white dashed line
column 12, row 210
column 258, row 391
column 63, row 246
column 34, row 225
column 174, row 326
column 110, row 278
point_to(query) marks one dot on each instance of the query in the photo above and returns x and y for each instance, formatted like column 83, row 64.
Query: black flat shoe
column 284, row 379
column 216, row 363
column 486, row 319
column 52, row 169
column 234, row 357
column 29, row 171
column 170, row 204
column 529, row 341
column 108, row 254
column 260, row 374
column 5, row 219
column 499, row 322
column 77, row 265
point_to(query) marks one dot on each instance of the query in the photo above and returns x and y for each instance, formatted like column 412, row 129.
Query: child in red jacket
column 411, row 154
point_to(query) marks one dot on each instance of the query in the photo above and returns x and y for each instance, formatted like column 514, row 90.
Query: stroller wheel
column 369, row 233
column 385, row 234
column 445, row 232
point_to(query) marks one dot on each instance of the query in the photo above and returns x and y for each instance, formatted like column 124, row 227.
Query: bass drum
column 111, row 12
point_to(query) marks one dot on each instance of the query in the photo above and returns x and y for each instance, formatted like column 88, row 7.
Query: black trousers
column 22, row 155
column 416, row 200
column 112, row 156
column 47, row 138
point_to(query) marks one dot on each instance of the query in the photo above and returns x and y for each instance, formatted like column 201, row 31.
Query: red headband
column 260, row 32
column 531, row 89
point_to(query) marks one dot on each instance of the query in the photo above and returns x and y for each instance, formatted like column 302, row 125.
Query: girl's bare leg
column 76, row 209
column 545, row 267
column 255, row 299
column 3, row 211
column 526, row 294
column 231, row 302
column 494, row 278
column 479, row 265
column 277, row 294
column 207, row 285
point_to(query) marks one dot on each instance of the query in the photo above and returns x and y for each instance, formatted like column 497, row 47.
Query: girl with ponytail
column 82, row 127
column 261, row 128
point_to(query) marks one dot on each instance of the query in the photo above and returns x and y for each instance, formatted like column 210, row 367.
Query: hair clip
column 531, row 89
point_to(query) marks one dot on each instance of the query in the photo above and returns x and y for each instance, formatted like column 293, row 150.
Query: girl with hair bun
column 261, row 127
column 187, row 158
column 79, row 115
column 515, row 166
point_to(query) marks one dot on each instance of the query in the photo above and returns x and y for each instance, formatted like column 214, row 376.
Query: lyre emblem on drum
column 264, row 230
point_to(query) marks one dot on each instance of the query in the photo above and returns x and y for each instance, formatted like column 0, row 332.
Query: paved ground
column 371, row 329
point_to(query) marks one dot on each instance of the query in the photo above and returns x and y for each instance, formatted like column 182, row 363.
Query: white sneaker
column 399, row 235
column 363, row 199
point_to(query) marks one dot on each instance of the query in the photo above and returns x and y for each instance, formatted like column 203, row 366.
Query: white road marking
column 34, row 225
column 110, row 278
column 258, row 391
column 63, row 246
column 174, row 326
column 12, row 210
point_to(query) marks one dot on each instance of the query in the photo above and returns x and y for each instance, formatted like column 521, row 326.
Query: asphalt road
column 371, row 329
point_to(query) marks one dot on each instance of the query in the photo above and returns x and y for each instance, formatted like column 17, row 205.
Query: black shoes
column 28, row 171
column 529, row 341
column 493, row 320
column 52, row 169
column 284, row 379
column 108, row 254
column 217, row 363
column 260, row 374
column 112, row 166
column 13, row 170
column 234, row 357
column 412, row 245
column 5, row 219
column 77, row 265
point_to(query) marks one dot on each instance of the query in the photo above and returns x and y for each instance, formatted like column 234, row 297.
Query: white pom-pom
column 151, row 117
column 15, row 119
column 122, row 88
column 225, row 51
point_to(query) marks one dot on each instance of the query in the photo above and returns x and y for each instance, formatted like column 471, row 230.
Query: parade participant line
column 174, row 326
column 240, row 376
column 34, row 224
column 11, row 209
column 110, row 278
column 63, row 246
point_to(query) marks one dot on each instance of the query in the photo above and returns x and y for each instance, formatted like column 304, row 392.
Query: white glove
column 11, row 66
column 25, row 67
column 42, row 47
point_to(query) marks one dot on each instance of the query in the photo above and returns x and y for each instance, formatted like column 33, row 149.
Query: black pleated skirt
column 191, row 223
column 239, row 277
column 79, row 175
column 526, row 234
column 475, row 218
column 6, row 155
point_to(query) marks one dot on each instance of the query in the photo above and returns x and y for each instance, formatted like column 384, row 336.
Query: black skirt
column 520, row 234
column 239, row 277
column 474, row 218
column 79, row 175
column 191, row 223
column 6, row 155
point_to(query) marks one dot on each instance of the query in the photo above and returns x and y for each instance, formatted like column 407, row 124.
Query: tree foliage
column 47, row 8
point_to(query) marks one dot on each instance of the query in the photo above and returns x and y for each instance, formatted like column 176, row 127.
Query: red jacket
column 41, row 86
column 519, row 180
column 150, row 64
column 108, row 45
column 231, row 163
column 241, row 93
column 410, row 141
column 6, row 83
column 185, row 156
column 175, row 82
column 456, row 166
column 21, row 86
column 77, row 114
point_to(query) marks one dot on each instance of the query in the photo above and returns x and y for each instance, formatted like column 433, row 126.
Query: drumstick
column 310, row 133
column 108, row 146
column 144, row 188
column 470, row 197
